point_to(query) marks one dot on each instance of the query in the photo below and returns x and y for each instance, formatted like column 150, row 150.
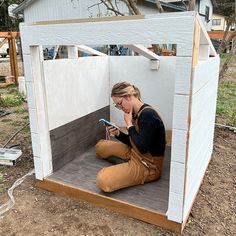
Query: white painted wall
column 203, row 108
column 75, row 88
column 157, row 86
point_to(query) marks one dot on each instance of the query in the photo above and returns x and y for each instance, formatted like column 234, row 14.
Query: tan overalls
column 139, row 169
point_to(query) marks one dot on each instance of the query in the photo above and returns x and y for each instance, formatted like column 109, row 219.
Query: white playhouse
column 67, row 97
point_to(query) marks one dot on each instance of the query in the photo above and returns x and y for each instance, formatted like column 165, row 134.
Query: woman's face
column 123, row 103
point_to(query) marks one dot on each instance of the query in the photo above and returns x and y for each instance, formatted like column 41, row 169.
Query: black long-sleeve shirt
column 151, row 135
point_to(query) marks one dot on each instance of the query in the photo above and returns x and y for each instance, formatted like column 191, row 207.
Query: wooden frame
column 111, row 204
column 194, row 53
column 10, row 37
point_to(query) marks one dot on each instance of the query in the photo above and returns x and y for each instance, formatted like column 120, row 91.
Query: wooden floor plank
column 81, row 173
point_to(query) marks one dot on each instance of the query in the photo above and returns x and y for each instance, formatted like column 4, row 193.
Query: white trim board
column 43, row 146
column 204, row 38
column 179, row 31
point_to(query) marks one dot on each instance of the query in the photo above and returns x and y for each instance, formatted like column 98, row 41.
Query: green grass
column 18, row 123
column 12, row 100
column 25, row 117
column 6, row 120
column 1, row 177
column 223, row 57
column 12, row 91
column 226, row 102
column 9, row 86
column 20, row 110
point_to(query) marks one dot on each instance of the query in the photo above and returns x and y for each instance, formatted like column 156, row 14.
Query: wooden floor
column 81, row 173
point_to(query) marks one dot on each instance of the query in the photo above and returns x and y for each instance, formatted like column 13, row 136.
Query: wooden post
column 196, row 44
column 2, row 43
column 72, row 52
column 13, row 58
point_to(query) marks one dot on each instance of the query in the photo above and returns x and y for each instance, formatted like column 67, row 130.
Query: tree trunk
column 133, row 5
column 228, row 60
column 191, row 5
column 226, row 40
column 159, row 7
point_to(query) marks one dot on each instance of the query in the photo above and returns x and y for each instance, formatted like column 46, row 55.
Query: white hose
column 11, row 202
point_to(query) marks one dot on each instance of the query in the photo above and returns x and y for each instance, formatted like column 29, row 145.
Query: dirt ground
column 38, row 212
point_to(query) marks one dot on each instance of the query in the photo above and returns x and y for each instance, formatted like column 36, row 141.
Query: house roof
column 165, row 3
column 170, row 2
column 22, row 6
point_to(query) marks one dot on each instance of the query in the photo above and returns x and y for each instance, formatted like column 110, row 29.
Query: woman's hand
column 128, row 118
column 113, row 131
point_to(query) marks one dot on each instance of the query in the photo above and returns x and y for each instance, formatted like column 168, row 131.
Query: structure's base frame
column 125, row 208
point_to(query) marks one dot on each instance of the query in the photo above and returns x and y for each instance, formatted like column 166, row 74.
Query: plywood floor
column 81, row 173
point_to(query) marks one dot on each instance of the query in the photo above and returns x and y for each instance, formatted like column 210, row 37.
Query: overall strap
column 135, row 122
column 147, row 157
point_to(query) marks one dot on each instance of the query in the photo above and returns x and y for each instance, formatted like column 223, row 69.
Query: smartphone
column 107, row 123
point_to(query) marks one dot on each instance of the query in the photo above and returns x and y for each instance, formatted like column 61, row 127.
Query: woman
column 143, row 147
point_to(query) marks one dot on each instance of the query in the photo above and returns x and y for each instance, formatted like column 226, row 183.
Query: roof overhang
column 164, row 2
column 22, row 6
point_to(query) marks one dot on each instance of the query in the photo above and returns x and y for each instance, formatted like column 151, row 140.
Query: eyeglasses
column 119, row 104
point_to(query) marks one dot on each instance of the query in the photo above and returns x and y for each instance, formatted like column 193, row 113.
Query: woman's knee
column 102, row 148
column 102, row 181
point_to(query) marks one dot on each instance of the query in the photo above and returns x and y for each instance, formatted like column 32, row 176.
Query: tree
column 131, row 5
column 225, row 7
column 6, row 22
column 228, row 9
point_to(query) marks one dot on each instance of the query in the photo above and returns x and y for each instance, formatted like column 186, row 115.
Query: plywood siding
column 203, row 107
column 179, row 137
column 204, row 72
column 75, row 88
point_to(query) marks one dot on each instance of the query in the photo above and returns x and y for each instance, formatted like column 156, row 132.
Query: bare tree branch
column 186, row 6
column 159, row 7
column 116, row 5
column 96, row 4
column 111, row 8
column 191, row 5
column 133, row 5
column 129, row 7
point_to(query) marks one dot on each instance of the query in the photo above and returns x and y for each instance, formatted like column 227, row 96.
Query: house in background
column 205, row 10
column 203, row 7
column 44, row 10
column 219, row 23
column 48, row 10
column 219, row 26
